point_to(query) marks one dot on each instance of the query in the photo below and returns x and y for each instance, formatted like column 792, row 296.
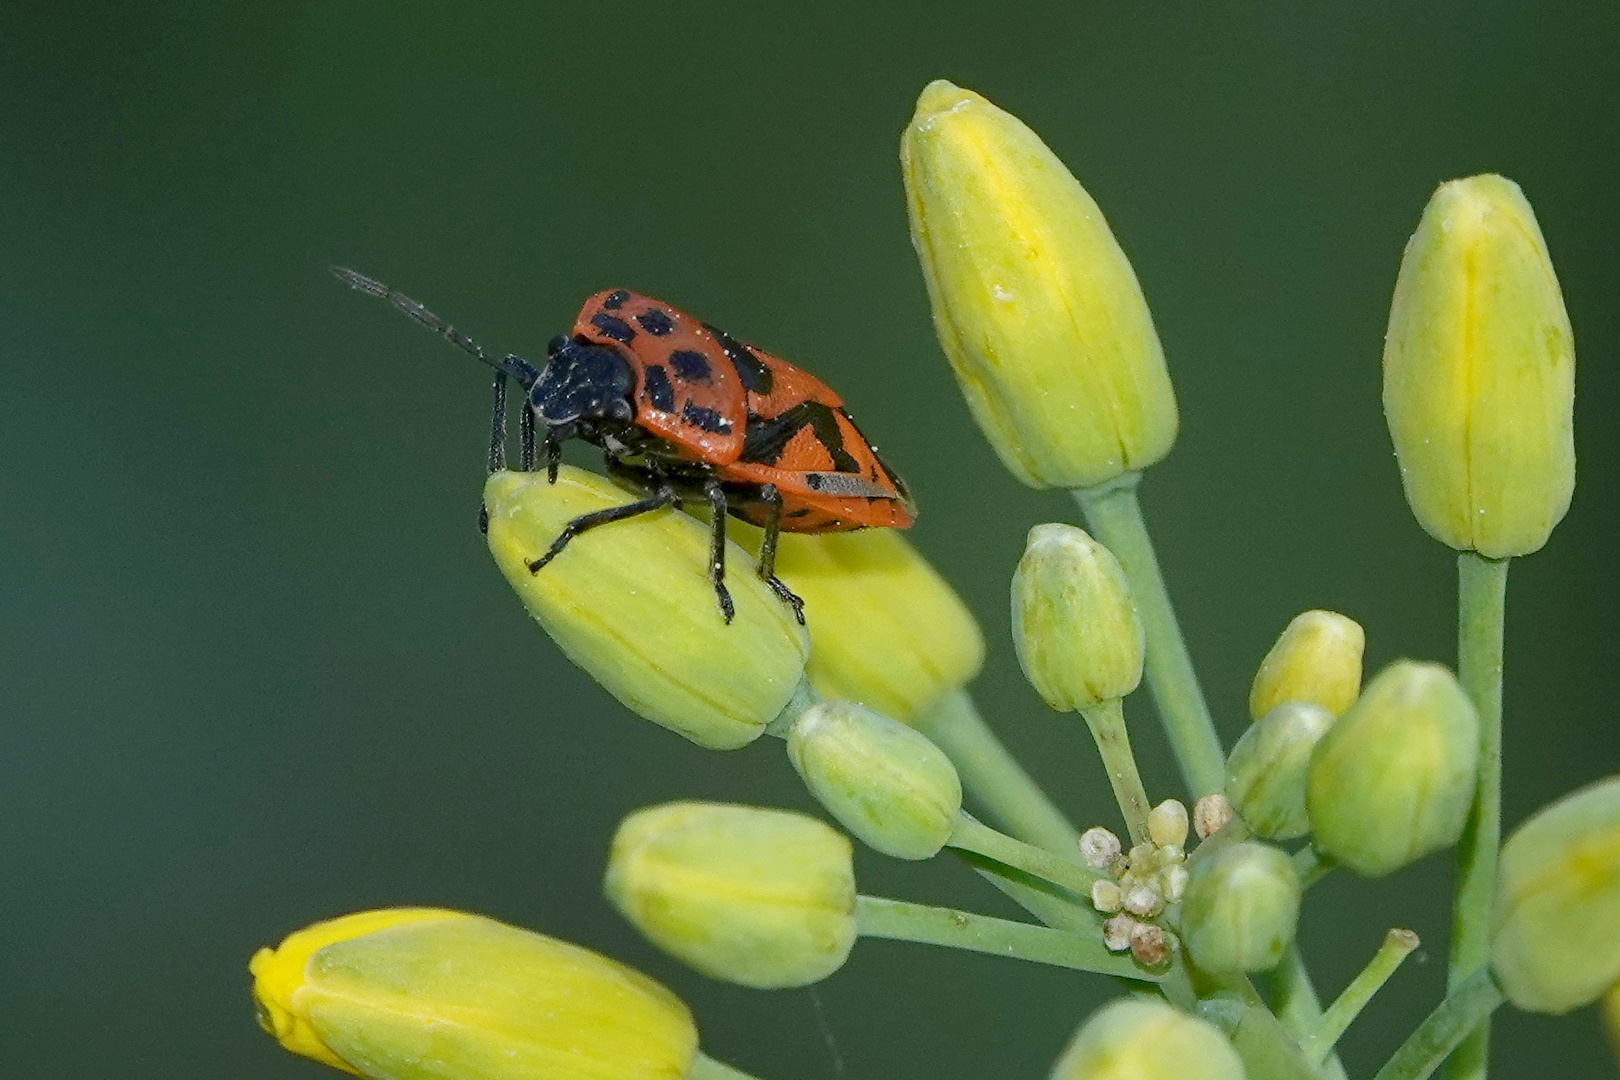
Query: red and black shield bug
column 687, row 413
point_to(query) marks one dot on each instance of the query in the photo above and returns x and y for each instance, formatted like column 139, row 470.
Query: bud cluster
column 1141, row 882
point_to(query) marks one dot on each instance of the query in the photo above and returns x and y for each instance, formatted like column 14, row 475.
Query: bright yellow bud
column 1479, row 373
column 883, row 781
column 1075, row 626
column 765, row 898
column 885, row 629
column 631, row 603
column 1557, row 941
column 1035, row 304
column 1143, row 1039
column 426, row 994
column 1317, row 660
column 1393, row 778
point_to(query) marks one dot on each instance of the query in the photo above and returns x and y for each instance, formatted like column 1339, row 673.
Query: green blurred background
column 256, row 667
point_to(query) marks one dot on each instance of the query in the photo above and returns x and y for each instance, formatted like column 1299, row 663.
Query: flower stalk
column 973, row 835
column 1396, row 947
column 1464, row 1008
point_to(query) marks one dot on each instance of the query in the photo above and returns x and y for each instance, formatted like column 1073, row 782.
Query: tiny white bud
column 1167, row 823
column 1210, row 814
column 1141, row 857
column 1117, row 932
column 1099, row 848
column 1144, row 901
column 1106, row 896
column 1150, row 945
column 1174, row 883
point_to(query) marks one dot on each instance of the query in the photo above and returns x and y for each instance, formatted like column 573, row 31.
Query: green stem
column 901, row 920
column 1398, row 944
column 1465, row 1007
column 993, row 776
column 1047, row 902
column 1107, row 724
column 1115, row 516
column 1311, row 865
column 705, row 1067
column 973, row 835
column 1481, row 605
column 1297, row 1005
column 1267, row 1050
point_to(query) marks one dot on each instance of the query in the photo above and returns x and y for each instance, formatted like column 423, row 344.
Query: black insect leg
column 772, row 498
column 526, row 439
column 717, row 547
column 553, row 456
column 497, row 443
column 665, row 496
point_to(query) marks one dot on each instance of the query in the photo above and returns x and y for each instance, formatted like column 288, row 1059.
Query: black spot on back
column 613, row 327
column 655, row 322
column 615, row 299
column 707, row 419
column 690, row 366
column 756, row 377
column 803, row 511
column 659, row 391
column 765, row 440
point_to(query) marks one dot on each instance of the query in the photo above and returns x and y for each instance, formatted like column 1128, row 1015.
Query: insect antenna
column 515, row 366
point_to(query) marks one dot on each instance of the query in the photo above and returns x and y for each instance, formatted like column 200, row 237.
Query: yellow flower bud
column 885, row 629
column 765, row 898
column 426, row 994
column 1240, row 908
column 1075, row 627
column 1139, row 1038
column 631, row 603
column 1393, row 778
column 884, row 782
column 1317, row 659
column 1265, row 773
column 1557, row 938
column 1035, row 304
column 1479, row 373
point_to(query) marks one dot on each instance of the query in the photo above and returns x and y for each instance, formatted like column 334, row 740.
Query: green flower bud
column 883, row 781
column 886, row 630
column 1240, row 908
column 1557, row 939
column 1265, row 773
column 1075, row 626
column 765, row 898
column 1138, row 1038
column 1317, row 659
column 632, row 605
column 424, row 994
column 1479, row 373
column 1393, row 778
column 1035, row 304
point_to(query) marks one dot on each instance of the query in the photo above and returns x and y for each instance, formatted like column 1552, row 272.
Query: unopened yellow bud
column 1240, row 908
column 1557, row 940
column 1393, row 778
column 426, row 994
column 1143, row 1039
column 886, row 630
column 1075, row 627
column 883, row 781
column 1479, row 373
column 1317, row 660
column 765, row 898
column 1035, row 304
column 631, row 603
column 1265, row 773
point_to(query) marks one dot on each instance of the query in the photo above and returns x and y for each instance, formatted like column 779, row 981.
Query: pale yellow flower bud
column 885, row 629
column 1317, row 659
column 1240, row 908
column 1142, row 1039
column 631, row 603
column 765, row 898
column 1557, row 939
column 1479, row 373
column 883, row 781
column 1035, row 304
column 1265, row 773
column 1393, row 778
column 426, row 994
column 1075, row 626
